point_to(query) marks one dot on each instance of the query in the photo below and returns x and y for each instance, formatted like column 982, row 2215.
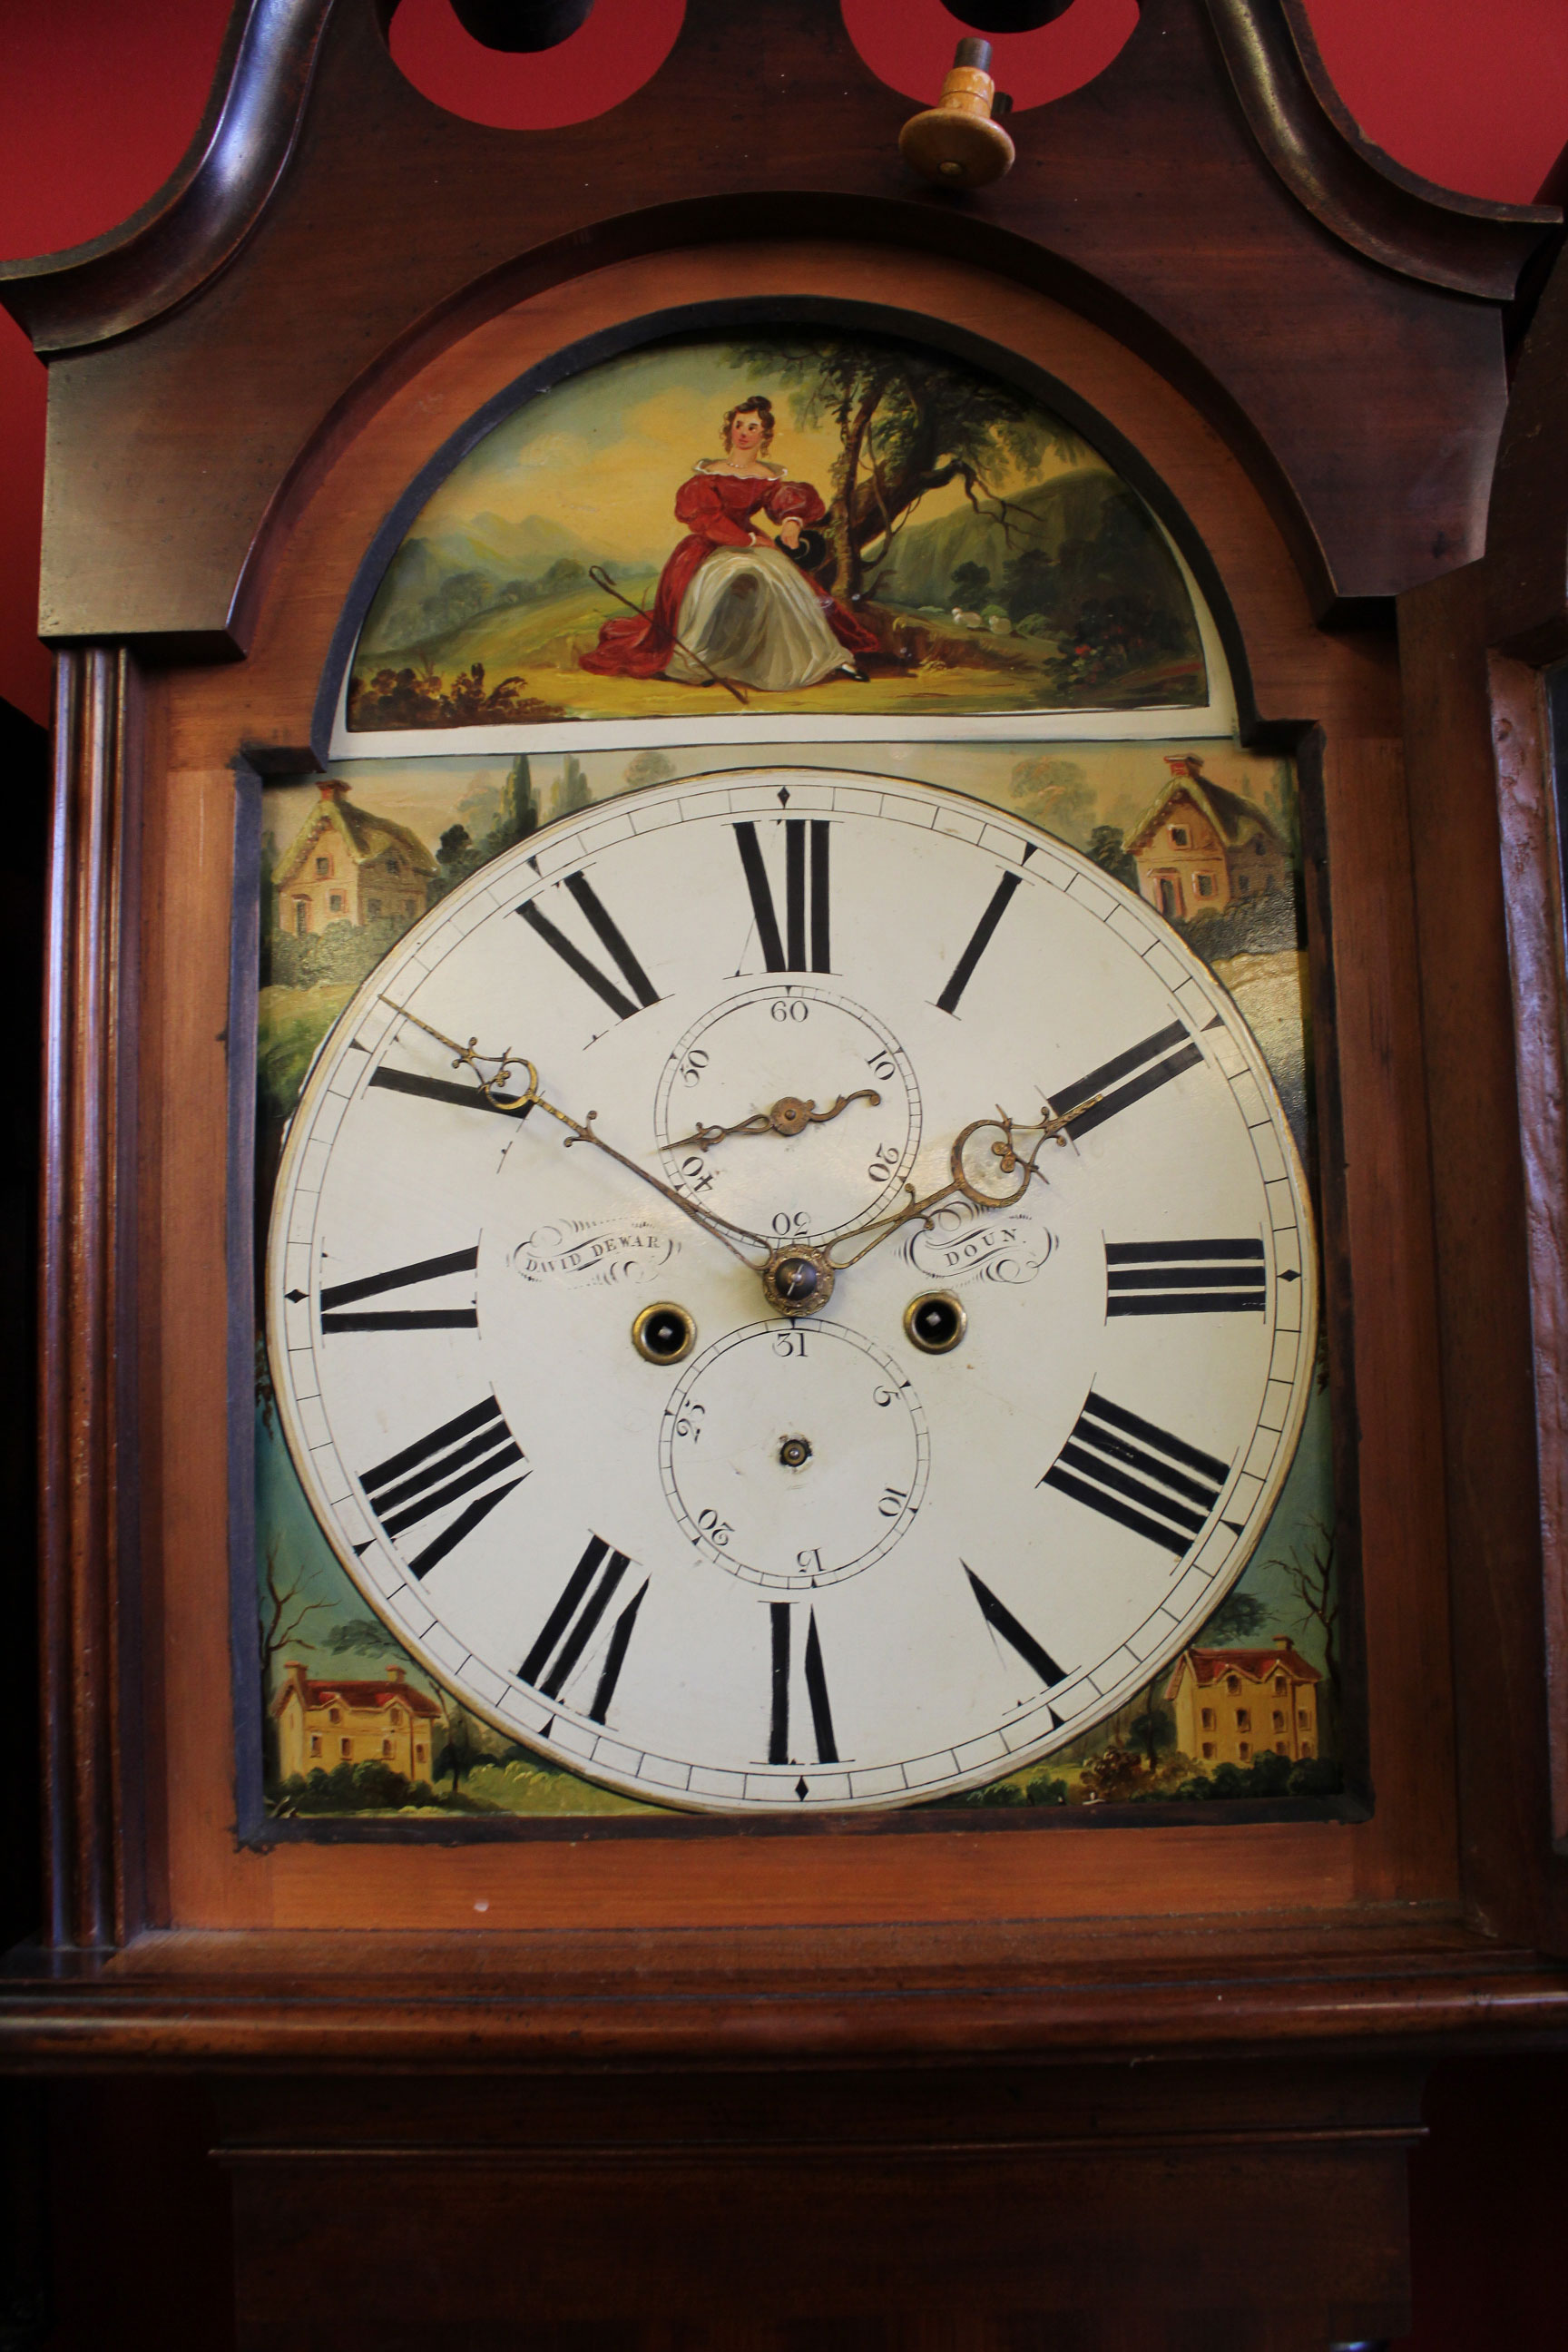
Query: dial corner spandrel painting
column 357, row 1723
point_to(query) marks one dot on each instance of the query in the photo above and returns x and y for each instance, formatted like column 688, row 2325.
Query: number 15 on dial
column 792, row 1292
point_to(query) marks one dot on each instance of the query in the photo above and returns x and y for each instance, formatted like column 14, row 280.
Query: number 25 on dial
column 797, row 1293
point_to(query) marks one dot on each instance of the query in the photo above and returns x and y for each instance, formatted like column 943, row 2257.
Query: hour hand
column 789, row 1116
column 1007, row 1148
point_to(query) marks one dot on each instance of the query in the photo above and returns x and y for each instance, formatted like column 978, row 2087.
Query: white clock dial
column 731, row 1558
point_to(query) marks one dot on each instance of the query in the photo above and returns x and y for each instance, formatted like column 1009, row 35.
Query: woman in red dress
column 730, row 602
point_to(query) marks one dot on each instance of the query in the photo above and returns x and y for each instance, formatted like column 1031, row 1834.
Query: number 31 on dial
column 792, row 1292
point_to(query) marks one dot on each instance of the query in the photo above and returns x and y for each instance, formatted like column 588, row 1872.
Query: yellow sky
column 605, row 453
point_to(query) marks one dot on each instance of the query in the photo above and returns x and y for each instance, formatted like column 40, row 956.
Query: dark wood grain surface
column 88, row 1468
column 1144, row 199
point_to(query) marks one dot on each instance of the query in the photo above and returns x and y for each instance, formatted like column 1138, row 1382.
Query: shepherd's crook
column 601, row 579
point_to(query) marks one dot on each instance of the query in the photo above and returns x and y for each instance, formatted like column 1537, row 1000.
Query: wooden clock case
column 977, row 2079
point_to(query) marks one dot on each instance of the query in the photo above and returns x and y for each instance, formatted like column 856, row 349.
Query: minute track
column 760, row 1619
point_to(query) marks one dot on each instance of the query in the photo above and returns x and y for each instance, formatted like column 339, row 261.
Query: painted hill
column 441, row 583
column 1061, row 554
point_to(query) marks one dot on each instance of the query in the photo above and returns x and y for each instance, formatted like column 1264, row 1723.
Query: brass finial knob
column 957, row 142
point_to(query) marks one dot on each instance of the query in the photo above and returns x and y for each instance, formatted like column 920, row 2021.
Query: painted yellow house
column 345, row 865
column 1201, row 846
column 323, row 1724
column 1231, row 1706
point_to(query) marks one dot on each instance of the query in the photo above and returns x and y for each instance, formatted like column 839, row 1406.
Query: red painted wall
column 96, row 102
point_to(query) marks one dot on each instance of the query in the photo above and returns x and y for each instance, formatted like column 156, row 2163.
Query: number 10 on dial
column 796, row 1294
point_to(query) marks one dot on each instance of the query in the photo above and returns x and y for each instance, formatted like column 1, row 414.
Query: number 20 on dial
column 792, row 1292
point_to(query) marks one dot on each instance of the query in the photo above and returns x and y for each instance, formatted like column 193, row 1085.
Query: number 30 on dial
column 792, row 1291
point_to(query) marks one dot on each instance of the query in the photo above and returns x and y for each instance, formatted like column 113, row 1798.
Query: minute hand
column 581, row 1130
column 1050, row 1127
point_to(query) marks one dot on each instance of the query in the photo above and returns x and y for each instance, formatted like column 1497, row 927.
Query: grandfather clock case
column 1238, row 533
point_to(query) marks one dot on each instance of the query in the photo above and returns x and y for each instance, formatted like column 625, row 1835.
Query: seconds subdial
column 777, row 1042
column 795, row 1455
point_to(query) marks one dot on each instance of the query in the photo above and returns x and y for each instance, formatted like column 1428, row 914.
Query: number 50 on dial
column 723, row 1557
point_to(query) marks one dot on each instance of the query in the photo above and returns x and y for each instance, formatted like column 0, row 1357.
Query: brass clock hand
column 1049, row 1127
column 788, row 1115
column 582, row 1130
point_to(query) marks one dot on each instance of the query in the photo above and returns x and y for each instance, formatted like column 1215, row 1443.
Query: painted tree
column 519, row 809
column 649, row 768
column 285, row 1612
column 572, row 794
column 1310, row 1575
column 1240, row 1616
column 910, row 422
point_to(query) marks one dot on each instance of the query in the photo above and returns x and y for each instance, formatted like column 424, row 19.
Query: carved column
column 86, row 1374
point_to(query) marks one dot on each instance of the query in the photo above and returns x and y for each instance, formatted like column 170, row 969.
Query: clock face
column 940, row 1491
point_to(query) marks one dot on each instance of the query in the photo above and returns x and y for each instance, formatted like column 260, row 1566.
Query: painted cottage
column 1201, row 846
column 345, row 865
column 323, row 1724
column 1233, row 1706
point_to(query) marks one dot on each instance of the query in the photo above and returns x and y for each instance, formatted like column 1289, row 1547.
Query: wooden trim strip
column 1532, row 907
column 181, row 239
column 86, row 1377
column 186, row 2023
column 1359, row 194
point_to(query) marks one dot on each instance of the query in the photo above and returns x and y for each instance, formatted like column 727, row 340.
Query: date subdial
column 794, row 1456
column 776, row 1043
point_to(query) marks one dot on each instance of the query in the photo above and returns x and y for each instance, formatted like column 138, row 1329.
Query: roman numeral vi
column 781, row 1614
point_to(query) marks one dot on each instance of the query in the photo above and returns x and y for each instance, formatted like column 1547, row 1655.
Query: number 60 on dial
column 679, row 1407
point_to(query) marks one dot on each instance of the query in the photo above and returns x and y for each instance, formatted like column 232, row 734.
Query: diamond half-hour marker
column 784, row 796
column 800, row 1786
column 294, row 1296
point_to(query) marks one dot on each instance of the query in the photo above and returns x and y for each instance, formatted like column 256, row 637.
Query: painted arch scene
column 796, row 526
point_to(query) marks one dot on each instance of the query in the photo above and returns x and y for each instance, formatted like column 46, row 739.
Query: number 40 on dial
column 795, row 1293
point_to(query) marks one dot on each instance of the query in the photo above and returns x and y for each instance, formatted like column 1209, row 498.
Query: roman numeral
column 1185, row 1278
column 1129, row 1471
column 402, row 1318
column 780, row 1613
column 462, row 1453
column 608, row 932
column 446, row 1090
column 1146, row 1066
column 1001, row 1620
column 806, row 855
column 573, row 1622
column 963, row 969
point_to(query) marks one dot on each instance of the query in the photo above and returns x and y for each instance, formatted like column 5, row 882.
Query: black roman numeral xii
column 806, row 898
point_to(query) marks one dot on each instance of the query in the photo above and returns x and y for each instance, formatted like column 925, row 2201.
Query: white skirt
column 754, row 617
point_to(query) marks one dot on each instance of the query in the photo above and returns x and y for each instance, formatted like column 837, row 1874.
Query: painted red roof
column 1256, row 1665
column 361, row 1695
